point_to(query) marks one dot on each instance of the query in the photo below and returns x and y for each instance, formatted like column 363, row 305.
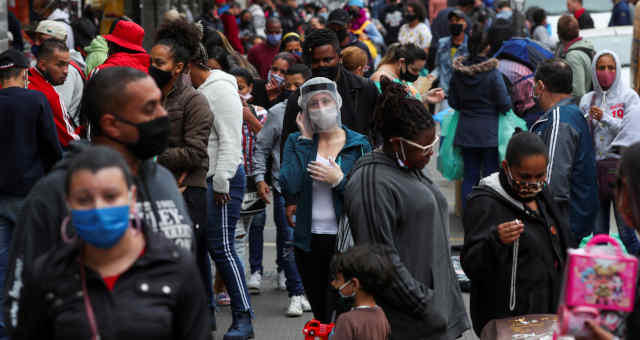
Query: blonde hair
column 354, row 57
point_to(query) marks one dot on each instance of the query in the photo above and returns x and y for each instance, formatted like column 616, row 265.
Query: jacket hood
column 140, row 61
column 217, row 75
column 471, row 71
column 492, row 182
column 98, row 44
column 582, row 43
column 59, row 15
column 617, row 86
column 379, row 157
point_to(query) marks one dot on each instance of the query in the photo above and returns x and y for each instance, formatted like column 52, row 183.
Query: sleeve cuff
column 220, row 185
column 258, row 178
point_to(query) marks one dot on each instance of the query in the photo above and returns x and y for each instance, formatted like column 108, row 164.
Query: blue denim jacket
column 445, row 62
column 296, row 182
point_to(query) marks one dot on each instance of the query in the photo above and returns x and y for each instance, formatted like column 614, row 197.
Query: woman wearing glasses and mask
column 114, row 278
column 515, row 237
column 390, row 201
column 315, row 162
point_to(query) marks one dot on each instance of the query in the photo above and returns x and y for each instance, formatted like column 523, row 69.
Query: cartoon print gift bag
column 599, row 285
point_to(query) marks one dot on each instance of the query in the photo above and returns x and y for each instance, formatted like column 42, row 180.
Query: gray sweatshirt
column 404, row 210
column 268, row 144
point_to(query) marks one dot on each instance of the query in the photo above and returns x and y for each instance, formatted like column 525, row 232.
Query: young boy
column 359, row 272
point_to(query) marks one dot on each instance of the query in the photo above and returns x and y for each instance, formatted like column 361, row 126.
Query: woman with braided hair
column 177, row 43
column 390, row 201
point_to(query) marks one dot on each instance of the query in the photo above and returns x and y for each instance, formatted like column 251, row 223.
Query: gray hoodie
column 404, row 210
column 620, row 105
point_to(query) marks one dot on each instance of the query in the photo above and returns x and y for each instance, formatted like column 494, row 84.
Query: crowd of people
column 130, row 173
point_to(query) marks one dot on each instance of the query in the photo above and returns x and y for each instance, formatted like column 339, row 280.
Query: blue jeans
column 256, row 241
column 10, row 206
column 477, row 160
column 221, row 229
column 285, row 258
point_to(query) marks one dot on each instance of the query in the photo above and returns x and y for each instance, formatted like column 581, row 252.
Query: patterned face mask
column 525, row 189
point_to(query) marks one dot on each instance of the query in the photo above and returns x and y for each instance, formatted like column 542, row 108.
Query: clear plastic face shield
column 320, row 103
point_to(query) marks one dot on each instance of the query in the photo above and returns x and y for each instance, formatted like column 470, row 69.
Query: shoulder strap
column 361, row 29
column 77, row 67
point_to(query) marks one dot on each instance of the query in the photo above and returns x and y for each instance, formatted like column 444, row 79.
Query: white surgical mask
column 324, row 118
column 247, row 96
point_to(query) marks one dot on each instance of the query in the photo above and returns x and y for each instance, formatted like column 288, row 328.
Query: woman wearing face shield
column 390, row 201
column 314, row 164
column 515, row 237
column 113, row 277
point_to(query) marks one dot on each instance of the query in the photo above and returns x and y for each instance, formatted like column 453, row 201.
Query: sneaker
column 282, row 280
column 295, row 307
column 306, row 306
column 254, row 283
column 223, row 299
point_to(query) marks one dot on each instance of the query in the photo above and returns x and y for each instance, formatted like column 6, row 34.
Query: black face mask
column 153, row 137
column 409, row 17
column 408, row 76
column 35, row 49
column 455, row 29
column 286, row 94
column 330, row 72
column 342, row 34
column 354, row 13
column 161, row 77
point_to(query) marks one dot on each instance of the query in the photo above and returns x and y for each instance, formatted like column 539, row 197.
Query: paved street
column 270, row 323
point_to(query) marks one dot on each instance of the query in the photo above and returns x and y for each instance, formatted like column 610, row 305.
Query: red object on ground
column 314, row 329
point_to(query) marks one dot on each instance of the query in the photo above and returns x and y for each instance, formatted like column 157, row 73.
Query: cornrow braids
column 397, row 114
column 318, row 38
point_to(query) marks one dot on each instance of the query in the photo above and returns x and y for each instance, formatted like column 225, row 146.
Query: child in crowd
column 358, row 273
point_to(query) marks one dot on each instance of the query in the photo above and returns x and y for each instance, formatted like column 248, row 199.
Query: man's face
column 143, row 104
column 274, row 28
column 456, row 20
column 56, row 66
column 293, row 81
column 324, row 56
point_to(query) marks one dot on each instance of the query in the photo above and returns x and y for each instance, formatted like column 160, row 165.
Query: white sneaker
column 254, row 283
column 282, row 280
column 295, row 307
column 306, row 306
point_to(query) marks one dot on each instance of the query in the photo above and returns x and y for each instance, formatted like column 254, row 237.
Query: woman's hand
column 598, row 333
column 434, row 96
column 331, row 173
column 290, row 211
column 221, row 199
column 508, row 232
column 273, row 89
column 263, row 191
column 595, row 113
column 302, row 127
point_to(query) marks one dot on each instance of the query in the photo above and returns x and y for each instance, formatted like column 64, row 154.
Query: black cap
column 13, row 58
column 339, row 17
column 456, row 13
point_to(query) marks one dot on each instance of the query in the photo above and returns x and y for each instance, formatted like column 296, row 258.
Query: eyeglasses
column 426, row 149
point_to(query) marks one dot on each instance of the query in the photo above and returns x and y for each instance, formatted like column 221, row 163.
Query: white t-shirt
column 419, row 35
column 323, row 214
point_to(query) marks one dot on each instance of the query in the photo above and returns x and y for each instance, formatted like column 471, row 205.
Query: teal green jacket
column 296, row 182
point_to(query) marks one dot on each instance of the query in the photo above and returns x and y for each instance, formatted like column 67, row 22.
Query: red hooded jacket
column 140, row 61
column 64, row 123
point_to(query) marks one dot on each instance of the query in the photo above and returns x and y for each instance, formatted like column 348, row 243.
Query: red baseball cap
column 127, row 34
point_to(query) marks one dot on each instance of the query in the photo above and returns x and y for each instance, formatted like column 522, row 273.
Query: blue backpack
column 524, row 51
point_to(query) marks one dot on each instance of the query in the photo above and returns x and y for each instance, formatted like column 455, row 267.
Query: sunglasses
column 426, row 149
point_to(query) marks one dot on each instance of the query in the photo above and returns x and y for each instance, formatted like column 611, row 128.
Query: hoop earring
column 63, row 231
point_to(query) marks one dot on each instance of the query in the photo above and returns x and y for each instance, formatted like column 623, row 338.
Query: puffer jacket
column 617, row 103
column 158, row 297
column 478, row 92
column 404, row 210
column 488, row 262
column 191, row 121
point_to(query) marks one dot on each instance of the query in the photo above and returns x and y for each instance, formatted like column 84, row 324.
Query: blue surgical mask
column 279, row 79
column 324, row 15
column 103, row 227
column 274, row 39
column 297, row 53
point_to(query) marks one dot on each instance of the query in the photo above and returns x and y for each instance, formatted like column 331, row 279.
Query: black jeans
column 313, row 267
column 196, row 200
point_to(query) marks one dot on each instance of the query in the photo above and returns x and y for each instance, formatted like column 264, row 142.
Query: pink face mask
column 606, row 78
